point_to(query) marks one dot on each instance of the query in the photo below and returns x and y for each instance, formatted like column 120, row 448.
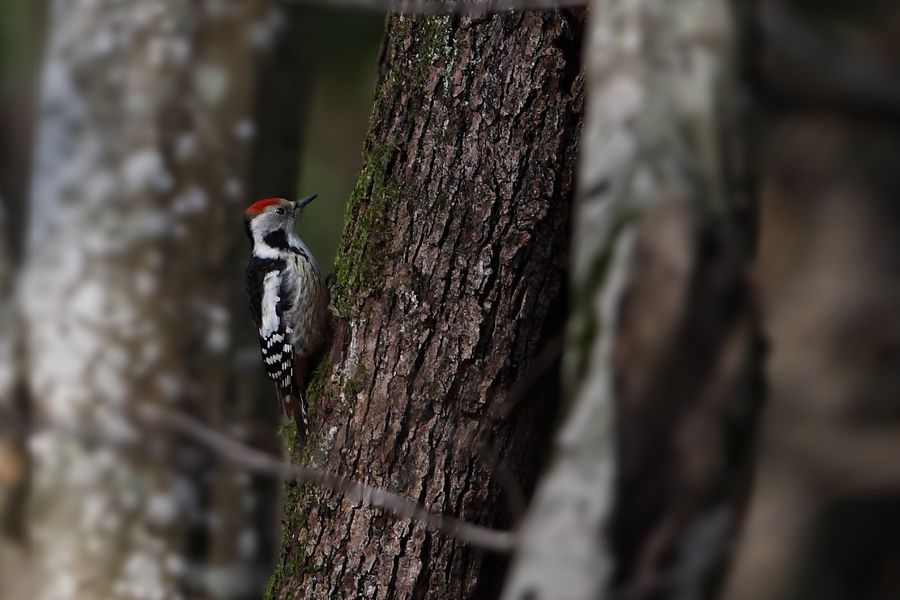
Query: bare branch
column 250, row 459
column 363, row 494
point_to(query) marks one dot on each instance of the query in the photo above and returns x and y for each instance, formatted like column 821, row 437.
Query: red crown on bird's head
column 261, row 205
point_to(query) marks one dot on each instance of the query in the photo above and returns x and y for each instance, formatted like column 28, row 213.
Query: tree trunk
column 133, row 290
column 662, row 357
column 451, row 278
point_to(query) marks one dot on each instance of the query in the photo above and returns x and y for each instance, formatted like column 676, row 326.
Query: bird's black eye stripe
column 280, row 211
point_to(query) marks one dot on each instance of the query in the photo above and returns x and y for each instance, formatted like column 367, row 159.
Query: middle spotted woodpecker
column 288, row 300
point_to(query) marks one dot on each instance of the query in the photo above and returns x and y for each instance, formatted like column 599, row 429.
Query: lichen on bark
column 360, row 253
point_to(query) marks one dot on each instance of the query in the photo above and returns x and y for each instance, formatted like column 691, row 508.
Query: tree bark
column 133, row 289
column 652, row 465
column 451, row 278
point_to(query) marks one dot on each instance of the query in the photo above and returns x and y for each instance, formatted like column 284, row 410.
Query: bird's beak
column 303, row 201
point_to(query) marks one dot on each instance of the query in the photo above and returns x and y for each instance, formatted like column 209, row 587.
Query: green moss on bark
column 362, row 249
column 296, row 503
column 297, row 495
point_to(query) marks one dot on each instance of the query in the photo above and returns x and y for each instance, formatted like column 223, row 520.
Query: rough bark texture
column 451, row 274
column 135, row 297
column 662, row 357
column 824, row 520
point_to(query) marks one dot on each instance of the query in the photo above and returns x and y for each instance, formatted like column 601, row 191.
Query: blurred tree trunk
column 18, row 66
column 133, row 296
column 824, row 521
column 451, row 273
column 662, row 358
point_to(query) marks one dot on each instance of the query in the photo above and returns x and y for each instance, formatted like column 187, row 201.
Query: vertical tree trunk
column 133, row 278
column 451, row 273
column 662, row 355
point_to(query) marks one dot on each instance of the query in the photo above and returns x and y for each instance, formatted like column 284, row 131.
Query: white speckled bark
column 131, row 283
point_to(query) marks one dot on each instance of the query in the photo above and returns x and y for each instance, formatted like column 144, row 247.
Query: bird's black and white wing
column 275, row 333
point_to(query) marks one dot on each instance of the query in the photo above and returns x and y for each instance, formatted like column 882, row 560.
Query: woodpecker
column 288, row 300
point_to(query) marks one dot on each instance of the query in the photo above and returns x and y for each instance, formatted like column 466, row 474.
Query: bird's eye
column 280, row 211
